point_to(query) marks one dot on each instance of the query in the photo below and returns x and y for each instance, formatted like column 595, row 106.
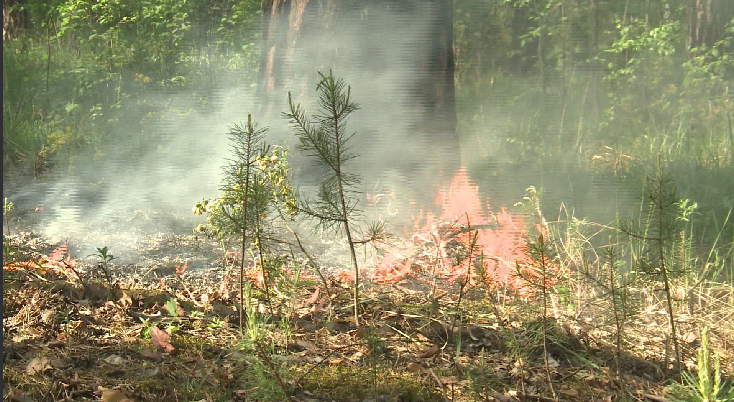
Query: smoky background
column 166, row 151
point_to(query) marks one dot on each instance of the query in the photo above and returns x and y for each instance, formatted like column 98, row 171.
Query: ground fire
column 467, row 241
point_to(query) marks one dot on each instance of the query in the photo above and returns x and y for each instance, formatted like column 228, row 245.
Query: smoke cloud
column 166, row 154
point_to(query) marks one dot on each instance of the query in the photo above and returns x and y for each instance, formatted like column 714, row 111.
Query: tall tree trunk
column 707, row 20
column 397, row 55
column 14, row 19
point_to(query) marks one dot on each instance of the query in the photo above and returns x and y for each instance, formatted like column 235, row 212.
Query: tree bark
column 291, row 26
column 14, row 19
column 707, row 20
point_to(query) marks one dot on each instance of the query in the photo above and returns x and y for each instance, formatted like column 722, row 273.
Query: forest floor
column 164, row 331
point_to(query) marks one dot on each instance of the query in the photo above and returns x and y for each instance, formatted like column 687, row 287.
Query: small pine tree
column 325, row 138
column 541, row 268
column 658, row 239
column 245, row 197
column 617, row 288
column 239, row 183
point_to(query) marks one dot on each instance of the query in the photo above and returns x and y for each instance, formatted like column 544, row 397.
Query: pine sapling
column 256, row 190
column 658, row 239
column 620, row 308
column 541, row 255
column 248, row 150
column 663, row 201
column 7, row 207
column 325, row 138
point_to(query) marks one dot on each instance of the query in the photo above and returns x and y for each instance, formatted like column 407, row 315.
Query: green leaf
column 172, row 307
column 70, row 107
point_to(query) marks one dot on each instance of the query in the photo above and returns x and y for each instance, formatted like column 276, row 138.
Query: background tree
column 289, row 29
column 398, row 57
column 15, row 18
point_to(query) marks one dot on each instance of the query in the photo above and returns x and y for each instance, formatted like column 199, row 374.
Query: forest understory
column 611, row 280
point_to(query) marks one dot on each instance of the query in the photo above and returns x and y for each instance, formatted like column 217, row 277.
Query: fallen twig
column 470, row 228
column 653, row 397
column 308, row 256
column 298, row 381
column 439, row 382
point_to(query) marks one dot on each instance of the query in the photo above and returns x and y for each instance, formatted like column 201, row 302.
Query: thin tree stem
column 248, row 156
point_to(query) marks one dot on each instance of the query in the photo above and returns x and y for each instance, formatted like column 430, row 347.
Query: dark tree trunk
column 707, row 20
column 14, row 19
column 398, row 58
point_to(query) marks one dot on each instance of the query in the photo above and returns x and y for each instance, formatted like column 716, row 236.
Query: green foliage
column 255, row 191
column 271, row 189
column 482, row 379
column 615, row 83
column 355, row 383
column 541, row 272
column 83, row 66
column 326, row 140
column 145, row 330
column 172, row 310
column 707, row 385
column 255, row 330
column 7, row 207
column 172, row 307
column 617, row 286
column 23, row 131
column 658, row 242
column 641, row 58
column 104, row 264
column 709, row 72
column 660, row 236
column 539, row 247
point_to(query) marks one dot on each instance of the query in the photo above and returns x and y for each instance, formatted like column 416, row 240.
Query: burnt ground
column 167, row 328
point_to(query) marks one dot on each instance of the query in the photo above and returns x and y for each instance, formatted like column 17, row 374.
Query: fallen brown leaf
column 429, row 351
column 360, row 332
column 38, row 365
column 414, row 367
column 222, row 310
column 314, row 298
column 161, row 339
column 125, row 300
column 114, row 360
column 502, row 398
column 689, row 337
column 304, row 344
column 149, row 372
column 569, row 392
column 356, row 356
column 113, row 395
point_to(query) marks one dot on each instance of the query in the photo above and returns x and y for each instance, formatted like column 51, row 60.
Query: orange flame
column 59, row 261
column 180, row 269
column 470, row 242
